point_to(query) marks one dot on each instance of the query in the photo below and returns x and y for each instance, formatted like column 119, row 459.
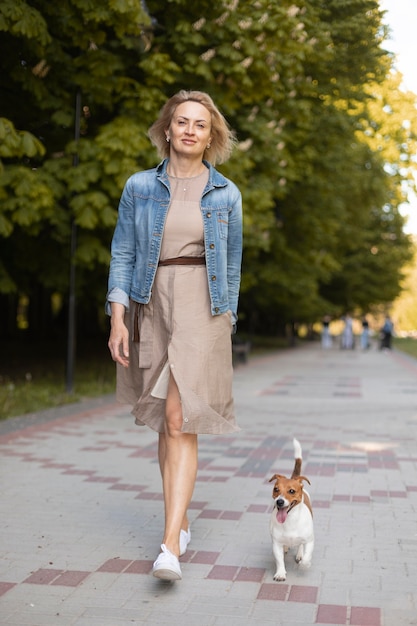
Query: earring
column 167, row 138
column 208, row 146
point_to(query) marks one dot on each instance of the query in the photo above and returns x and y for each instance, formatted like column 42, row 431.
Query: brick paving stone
column 271, row 591
column 43, row 577
column 204, row 557
column 139, row 567
column 332, row 614
column 223, row 572
column 5, row 587
column 363, row 616
column 252, row 574
column 115, row 565
column 302, row 593
column 82, row 510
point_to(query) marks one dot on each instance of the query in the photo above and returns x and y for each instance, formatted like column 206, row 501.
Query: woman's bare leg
column 178, row 457
column 161, row 457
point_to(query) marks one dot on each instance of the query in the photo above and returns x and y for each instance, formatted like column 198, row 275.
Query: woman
column 173, row 294
column 365, row 334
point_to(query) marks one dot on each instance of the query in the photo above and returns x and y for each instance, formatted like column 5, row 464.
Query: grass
column 36, row 394
column 32, row 375
column 406, row 344
column 34, row 378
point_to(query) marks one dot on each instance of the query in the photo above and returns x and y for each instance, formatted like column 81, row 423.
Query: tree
column 404, row 310
column 302, row 85
column 340, row 244
column 55, row 52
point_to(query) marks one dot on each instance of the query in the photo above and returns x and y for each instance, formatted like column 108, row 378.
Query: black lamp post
column 71, row 305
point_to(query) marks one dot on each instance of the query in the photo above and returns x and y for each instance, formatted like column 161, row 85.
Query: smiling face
column 190, row 130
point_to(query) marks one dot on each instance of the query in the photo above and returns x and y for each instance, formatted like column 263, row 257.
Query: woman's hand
column 119, row 335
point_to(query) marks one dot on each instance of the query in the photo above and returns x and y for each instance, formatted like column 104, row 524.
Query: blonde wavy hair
column 223, row 139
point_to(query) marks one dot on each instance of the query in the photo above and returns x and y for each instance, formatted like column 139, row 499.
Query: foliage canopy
column 325, row 155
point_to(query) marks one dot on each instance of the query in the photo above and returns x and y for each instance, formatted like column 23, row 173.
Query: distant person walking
column 326, row 338
column 348, row 342
column 365, row 334
column 386, row 333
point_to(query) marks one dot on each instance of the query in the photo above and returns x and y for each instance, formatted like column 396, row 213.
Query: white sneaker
column 185, row 538
column 167, row 566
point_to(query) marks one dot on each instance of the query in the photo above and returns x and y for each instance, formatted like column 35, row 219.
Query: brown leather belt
column 184, row 260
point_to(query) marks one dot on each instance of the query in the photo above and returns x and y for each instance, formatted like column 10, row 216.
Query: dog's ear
column 304, row 478
column 275, row 477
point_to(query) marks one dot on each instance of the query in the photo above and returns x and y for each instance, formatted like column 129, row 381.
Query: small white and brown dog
column 292, row 517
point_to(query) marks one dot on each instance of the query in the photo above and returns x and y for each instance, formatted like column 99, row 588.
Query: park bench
column 240, row 349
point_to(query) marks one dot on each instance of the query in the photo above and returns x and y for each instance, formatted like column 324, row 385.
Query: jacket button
column 208, row 214
column 212, row 246
column 213, row 278
column 216, row 310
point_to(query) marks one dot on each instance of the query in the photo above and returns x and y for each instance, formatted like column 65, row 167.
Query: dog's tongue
column 281, row 515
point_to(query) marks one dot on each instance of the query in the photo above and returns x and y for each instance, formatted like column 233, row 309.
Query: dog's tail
column 298, row 456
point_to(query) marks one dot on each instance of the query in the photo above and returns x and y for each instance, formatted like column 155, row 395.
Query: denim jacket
column 138, row 235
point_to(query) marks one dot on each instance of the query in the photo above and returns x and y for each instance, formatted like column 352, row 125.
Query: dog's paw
column 280, row 576
column 305, row 564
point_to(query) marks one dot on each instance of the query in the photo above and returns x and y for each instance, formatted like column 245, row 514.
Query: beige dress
column 178, row 336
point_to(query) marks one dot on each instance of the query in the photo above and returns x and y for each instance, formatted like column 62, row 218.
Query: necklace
column 184, row 180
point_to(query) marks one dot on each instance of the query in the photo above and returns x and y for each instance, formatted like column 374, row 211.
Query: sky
column 401, row 17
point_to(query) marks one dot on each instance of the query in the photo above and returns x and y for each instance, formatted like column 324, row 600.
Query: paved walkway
column 81, row 511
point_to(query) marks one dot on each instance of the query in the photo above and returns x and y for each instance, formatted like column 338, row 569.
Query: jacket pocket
column 223, row 224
